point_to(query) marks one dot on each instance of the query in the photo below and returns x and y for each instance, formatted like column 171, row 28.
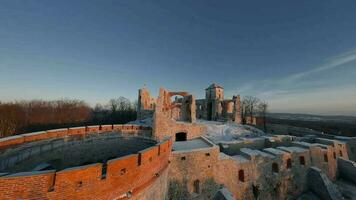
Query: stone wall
column 248, row 175
column 146, row 104
column 323, row 156
column 319, row 183
column 347, row 169
column 271, row 167
column 165, row 126
column 196, row 165
column 237, row 109
column 259, row 178
column 215, row 107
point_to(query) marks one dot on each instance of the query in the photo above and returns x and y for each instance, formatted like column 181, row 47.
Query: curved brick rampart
column 119, row 178
column 57, row 133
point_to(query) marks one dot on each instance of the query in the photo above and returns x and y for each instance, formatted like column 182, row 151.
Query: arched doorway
column 289, row 163
column 181, row 136
column 302, row 160
column 210, row 110
column 196, row 186
column 275, row 168
column 241, row 175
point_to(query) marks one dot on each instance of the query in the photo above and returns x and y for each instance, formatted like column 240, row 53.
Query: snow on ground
column 218, row 131
column 229, row 131
column 142, row 122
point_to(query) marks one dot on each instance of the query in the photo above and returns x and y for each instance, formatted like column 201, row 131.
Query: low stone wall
column 346, row 169
column 251, row 174
column 323, row 156
column 233, row 147
column 189, row 166
column 120, row 178
column 319, row 183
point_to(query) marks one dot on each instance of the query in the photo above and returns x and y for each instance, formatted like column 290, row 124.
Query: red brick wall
column 77, row 131
column 106, row 128
column 130, row 173
column 58, row 133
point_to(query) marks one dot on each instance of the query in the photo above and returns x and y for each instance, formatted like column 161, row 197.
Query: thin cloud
column 332, row 63
column 296, row 83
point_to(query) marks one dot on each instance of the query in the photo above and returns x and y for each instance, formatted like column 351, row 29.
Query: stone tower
column 214, row 92
column 146, row 104
column 237, row 109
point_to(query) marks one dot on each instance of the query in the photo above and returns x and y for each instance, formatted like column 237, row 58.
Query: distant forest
column 329, row 127
column 36, row 115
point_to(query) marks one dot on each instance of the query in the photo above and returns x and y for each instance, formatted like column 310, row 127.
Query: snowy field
column 218, row 131
column 143, row 122
column 229, row 131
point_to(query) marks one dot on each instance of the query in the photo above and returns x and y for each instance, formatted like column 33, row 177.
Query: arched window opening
column 196, row 186
column 325, row 157
column 302, row 160
column 275, row 168
column 289, row 163
column 340, row 152
column 181, row 136
column 256, row 191
column 241, row 175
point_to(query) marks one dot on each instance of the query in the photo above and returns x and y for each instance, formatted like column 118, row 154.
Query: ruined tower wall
column 237, row 110
column 145, row 105
column 165, row 126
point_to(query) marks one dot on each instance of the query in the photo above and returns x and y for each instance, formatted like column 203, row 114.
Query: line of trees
column 252, row 107
column 35, row 115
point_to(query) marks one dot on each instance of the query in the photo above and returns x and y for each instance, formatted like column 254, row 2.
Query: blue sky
column 300, row 56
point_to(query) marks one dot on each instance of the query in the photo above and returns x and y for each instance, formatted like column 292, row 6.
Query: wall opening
column 196, row 186
column 241, row 175
column 302, row 160
column 340, row 152
column 104, row 170
column 210, row 110
column 289, row 163
column 255, row 191
column 181, row 136
column 325, row 157
column 275, row 168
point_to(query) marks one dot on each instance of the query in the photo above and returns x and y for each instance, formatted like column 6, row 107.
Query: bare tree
column 250, row 103
column 23, row 116
column 26, row 116
column 243, row 111
column 10, row 118
column 262, row 109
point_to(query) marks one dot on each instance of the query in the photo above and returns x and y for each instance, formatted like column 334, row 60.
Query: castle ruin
column 191, row 149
